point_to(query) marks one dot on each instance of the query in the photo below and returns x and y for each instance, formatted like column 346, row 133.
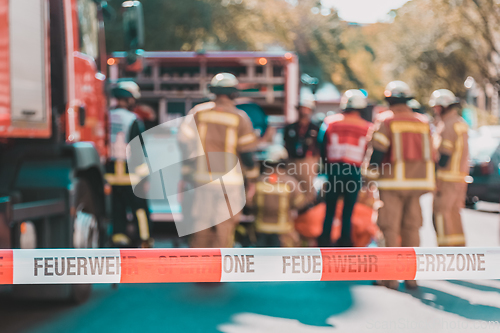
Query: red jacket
column 346, row 138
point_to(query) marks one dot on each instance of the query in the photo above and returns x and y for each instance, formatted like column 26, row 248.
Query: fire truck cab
column 53, row 129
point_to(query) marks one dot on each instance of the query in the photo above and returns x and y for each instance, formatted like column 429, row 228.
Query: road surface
column 310, row 307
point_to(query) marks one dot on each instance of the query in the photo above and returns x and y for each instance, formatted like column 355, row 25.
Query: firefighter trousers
column 207, row 208
column 343, row 180
column 305, row 170
column 123, row 202
column 448, row 202
column 288, row 239
column 401, row 217
column 220, row 235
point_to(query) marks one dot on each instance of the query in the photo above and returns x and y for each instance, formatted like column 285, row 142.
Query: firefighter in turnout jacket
column 343, row 141
column 277, row 196
column 226, row 136
column 402, row 161
column 452, row 168
column 124, row 127
column 301, row 142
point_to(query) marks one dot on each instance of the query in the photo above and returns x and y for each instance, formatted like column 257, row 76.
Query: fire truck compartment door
column 28, row 58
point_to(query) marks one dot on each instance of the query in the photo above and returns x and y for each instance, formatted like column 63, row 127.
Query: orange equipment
column 364, row 229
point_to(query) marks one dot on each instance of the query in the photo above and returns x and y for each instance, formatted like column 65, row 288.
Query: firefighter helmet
column 443, row 97
column 398, row 90
column 353, row 99
column 224, row 84
column 127, row 89
column 276, row 154
column 414, row 104
column 307, row 102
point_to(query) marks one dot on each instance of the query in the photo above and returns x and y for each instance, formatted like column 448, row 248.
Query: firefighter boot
column 411, row 284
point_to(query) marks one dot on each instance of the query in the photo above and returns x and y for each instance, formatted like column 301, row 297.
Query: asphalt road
column 438, row 306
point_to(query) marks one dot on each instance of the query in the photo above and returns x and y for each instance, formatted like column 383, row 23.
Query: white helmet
column 276, row 154
column 308, row 103
column 353, row 99
column 224, row 80
column 127, row 89
column 398, row 89
column 224, row 84
column 414, row 104
column 443, row 97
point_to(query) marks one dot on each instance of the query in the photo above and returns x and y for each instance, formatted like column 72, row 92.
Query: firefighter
column 125, row 126
column 452, row 168
column 401, row 159
column 303, row 151
column 415, row 106
column 224, row 131
column 343, row 140
column 276, row 197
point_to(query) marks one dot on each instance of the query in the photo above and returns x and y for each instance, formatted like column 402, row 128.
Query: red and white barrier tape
column 53, row 266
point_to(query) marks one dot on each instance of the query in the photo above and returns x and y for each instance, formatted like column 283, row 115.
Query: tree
column 302, row 26
column 435, row 44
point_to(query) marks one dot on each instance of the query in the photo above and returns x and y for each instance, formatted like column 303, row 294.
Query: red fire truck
column 53, row 127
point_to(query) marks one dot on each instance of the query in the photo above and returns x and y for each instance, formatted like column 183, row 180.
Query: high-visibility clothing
column 125, row 126
column 452, row 188
column 454, row 143
column 275, row 197
column 216, row 134
column 222, row 128
column 345, row 138
column 220, row 236
column 406, row 172
column 448, row 202
column 408, row 162
column 400, row 218
column 121, row 121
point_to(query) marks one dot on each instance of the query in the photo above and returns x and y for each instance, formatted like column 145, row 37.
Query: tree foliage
column 304, row 26
column 435, row 44
column 430, row 44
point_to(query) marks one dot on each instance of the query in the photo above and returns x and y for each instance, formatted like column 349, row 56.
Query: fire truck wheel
column 85, row 231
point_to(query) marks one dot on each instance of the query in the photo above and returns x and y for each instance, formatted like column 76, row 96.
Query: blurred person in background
column 259, row 119
column 125, row 125
column 401, row 158
column 452, row 168
column 222, row 128
column 301, row 142
column 146, row 114
column 277, row 197
column 415, row 106
column 343, row 141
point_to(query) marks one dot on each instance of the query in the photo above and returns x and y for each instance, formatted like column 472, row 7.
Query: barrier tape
column 54, row 266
